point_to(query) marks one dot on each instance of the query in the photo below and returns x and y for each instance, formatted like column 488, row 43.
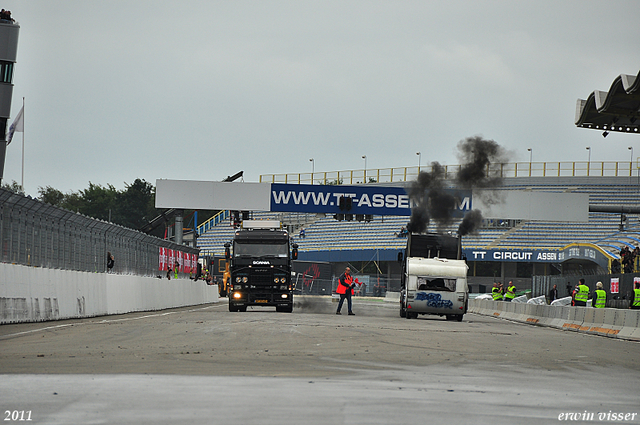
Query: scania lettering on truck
column 260, row 266
column 434, row 278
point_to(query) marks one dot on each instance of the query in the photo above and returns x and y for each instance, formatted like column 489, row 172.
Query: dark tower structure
column 8, row 50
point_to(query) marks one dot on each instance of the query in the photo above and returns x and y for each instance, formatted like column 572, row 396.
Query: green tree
column 50, row 196
column 13, row 187
column 135, row 206
column 73, row 202
column 98, row 201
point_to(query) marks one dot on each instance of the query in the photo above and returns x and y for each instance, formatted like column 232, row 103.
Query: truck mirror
column 400, row 257
column 294, row 252
column 227, row 251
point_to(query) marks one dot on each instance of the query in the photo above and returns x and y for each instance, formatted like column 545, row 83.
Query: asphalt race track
column 205, row 365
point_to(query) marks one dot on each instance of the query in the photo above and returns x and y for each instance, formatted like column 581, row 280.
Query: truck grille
column 261, row 279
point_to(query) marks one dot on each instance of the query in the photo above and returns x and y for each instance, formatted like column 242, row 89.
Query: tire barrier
column 608, row 322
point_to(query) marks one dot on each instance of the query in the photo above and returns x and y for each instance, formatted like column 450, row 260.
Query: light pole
column 313, row 168
column 419, row 159
column 589, row 160
column 530, row 159
column 630, row 163
column 365, row 167
column 631, row 172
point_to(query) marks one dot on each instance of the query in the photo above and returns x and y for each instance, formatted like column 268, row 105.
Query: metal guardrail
column 33, row 233
column 514, row 169
column 213, row 221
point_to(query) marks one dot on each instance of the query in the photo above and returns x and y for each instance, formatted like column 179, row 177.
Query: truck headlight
column 238, row 279
column 237, row 295
column 284, row 296
column 245, row 279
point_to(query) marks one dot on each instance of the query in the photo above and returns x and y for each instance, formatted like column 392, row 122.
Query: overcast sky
column 199, row 90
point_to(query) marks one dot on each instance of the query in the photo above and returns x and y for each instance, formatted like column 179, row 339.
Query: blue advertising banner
column 370, row 199
column 375, row 200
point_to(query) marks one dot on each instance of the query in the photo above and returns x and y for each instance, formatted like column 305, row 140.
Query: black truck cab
column 260, row 267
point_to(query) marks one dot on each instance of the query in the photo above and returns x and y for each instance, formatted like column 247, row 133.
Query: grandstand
column 342, row 242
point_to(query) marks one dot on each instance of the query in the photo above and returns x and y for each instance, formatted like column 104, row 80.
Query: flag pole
column 22, row 182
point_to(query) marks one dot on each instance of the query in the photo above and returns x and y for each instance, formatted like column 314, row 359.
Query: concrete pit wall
column 29, row 294
column 610, row 322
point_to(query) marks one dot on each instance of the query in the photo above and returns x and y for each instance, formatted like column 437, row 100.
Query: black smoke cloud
column 470, row 223
column 430, row 200
column 477, row 155
column 432, row 203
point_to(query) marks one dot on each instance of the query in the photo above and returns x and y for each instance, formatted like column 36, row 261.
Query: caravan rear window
column 436, row 284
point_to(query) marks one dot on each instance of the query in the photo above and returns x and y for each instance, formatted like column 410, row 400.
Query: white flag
column 18, row 125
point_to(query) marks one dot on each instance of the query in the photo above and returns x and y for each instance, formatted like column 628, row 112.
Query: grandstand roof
column 615, row 110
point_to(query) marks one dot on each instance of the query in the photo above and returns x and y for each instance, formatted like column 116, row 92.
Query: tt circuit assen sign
column 587, row 252
column 524, row 256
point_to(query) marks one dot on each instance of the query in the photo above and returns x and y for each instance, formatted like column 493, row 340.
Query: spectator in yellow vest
column 510, row 294
column 581, row 294
column 635, row 301
column 599, row 298
column 495, row 292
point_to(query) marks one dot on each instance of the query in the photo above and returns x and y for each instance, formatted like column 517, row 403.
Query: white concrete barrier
column 589, row 319
column 616, row 323
column 509, row 311
column 389, row 296
column 545, row 313
column 575, row 319
column 631, row 328
column 29, row 294
column 498, row 308
column 523, row 311
column 560, row 316
column 562, row 301
column 527, row 313
column 635, row 335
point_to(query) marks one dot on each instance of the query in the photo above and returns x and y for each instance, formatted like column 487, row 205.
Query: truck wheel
column 403, row 311
column 459, row 317
column 232, row 307
column 242, row 308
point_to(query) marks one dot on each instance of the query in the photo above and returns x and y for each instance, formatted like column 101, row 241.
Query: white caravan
column 433, row 285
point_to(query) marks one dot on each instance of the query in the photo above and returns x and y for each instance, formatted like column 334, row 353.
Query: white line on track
column 99, row 322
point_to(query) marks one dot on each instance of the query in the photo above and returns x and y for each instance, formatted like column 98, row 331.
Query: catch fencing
column 374, row 286
column 619, row 287
column 33, row 233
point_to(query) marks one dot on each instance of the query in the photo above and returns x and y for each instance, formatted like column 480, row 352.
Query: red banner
column 615, row 285
column 187, row 263
column 171, row 259
column 162, row 259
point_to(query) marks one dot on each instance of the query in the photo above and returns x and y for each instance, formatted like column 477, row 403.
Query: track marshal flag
column 18, row 125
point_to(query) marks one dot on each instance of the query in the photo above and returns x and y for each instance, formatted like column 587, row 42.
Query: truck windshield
column 436, row 284
column 257, row 249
